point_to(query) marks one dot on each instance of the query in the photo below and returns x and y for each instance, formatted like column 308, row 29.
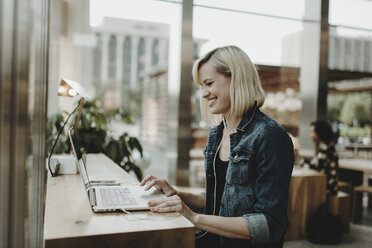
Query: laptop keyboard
column 116, row 196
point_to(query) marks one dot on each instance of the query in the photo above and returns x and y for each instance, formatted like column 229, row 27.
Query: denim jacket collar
column 247, row 118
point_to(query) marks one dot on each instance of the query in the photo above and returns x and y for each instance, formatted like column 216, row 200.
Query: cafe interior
column 118, row 74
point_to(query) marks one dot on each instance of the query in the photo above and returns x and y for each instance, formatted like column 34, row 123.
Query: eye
column 209, row 84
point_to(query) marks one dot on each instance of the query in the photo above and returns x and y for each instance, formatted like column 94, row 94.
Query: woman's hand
column 160, row 184
column 171, row 204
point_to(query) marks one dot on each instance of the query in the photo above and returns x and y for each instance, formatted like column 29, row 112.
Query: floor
column 360, row 236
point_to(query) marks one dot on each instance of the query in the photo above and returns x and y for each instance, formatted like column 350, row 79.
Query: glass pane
column 271, row 38
column 352, row 13
column 350, row 61
column 261, row 37
column 118, row 51
column 284, row 8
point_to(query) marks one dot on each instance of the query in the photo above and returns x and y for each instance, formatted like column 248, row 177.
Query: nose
column 205, row 93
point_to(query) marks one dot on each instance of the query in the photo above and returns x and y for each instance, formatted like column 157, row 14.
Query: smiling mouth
column 211, row 101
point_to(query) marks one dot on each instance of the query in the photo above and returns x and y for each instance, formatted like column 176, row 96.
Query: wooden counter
column 70, row 221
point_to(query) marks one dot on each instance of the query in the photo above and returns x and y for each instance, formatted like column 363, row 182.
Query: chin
column 215, row 112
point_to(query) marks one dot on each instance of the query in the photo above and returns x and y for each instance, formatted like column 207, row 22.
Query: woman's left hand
column 171, row 204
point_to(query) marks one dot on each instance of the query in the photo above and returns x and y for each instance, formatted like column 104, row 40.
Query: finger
column 154, row 203
column 152, row 183
column 168, row 203
column 169, row 206
column 146, row 179
column 166, row 209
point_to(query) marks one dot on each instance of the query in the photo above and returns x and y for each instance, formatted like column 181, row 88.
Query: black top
column 221, row 168
column 210, row 239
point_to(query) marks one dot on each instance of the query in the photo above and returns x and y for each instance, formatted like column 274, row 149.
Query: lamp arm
column 55, row 142
column 81, row 104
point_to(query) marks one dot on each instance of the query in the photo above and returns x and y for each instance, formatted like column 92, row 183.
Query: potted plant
column 95, row 136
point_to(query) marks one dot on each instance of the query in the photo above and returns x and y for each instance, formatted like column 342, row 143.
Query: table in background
column 306, row 192
column 362, row 166
column 70, row 222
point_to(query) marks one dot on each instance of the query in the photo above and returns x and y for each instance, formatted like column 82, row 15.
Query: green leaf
column 135, row 144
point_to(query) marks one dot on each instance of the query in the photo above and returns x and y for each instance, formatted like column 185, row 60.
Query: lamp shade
column 71, row 88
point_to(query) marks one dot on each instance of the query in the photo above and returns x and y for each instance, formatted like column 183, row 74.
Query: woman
column 248, row 160
column 326, row 159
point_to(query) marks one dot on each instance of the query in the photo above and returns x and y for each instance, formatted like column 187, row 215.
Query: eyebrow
column 204, row 81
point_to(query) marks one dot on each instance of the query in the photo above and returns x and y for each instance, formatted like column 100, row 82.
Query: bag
column 323, row 227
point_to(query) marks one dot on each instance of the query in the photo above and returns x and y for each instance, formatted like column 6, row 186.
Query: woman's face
column 215, row 89
column 313, row 134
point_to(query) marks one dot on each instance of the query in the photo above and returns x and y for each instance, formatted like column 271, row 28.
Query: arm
column 317, row 162
column 274, row 169
column 232, row 227
column 194, row 201
column 326, row 160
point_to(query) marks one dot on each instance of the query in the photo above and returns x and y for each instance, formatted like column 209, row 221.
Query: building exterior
column 124, row 48
column 345, row 53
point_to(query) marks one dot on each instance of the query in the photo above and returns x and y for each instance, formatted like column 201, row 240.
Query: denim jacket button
column 236, row 156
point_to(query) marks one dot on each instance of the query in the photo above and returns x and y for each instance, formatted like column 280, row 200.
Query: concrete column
column 162, row 51
column 119, row 59
column 55, row 27
column 184, row 141
column 148, row 53
column 105, row 50
column 134, row 62
column 119, row 65
column 314, row 70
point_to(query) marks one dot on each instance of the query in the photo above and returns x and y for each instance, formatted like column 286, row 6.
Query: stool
column 358, row 201
column 345, row 187
column 340, row 205
column 369, row 194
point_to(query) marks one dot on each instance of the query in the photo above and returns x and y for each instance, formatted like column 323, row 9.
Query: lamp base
column 63, row 164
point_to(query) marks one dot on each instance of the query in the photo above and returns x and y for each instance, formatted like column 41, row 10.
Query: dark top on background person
column 326, row 158
column 253, row 207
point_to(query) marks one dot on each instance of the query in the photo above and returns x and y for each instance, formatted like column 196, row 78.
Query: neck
column 232, row 123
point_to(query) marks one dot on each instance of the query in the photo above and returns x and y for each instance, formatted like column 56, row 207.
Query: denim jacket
column 257, row 179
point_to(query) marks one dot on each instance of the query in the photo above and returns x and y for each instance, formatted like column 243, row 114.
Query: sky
column 260, row 36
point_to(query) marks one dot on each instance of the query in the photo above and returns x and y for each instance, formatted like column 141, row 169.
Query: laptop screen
column 79, row 158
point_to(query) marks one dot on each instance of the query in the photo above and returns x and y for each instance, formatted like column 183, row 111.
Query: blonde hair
column 245, row 87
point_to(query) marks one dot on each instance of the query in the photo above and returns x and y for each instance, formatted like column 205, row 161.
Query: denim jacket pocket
column 239, row 165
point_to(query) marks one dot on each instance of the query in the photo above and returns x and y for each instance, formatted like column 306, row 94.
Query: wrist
column 194, row 218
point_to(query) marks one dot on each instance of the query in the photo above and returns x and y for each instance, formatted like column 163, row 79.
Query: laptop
column 111, row 196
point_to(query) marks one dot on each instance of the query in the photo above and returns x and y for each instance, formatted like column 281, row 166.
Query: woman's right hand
column 161, row 184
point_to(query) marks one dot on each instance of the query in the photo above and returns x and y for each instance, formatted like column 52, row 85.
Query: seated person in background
column 326, row 158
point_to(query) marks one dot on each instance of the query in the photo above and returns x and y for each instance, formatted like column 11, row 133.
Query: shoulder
column 265, row 125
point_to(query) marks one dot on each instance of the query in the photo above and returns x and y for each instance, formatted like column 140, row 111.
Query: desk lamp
column 71, row 88
column 68, row 88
